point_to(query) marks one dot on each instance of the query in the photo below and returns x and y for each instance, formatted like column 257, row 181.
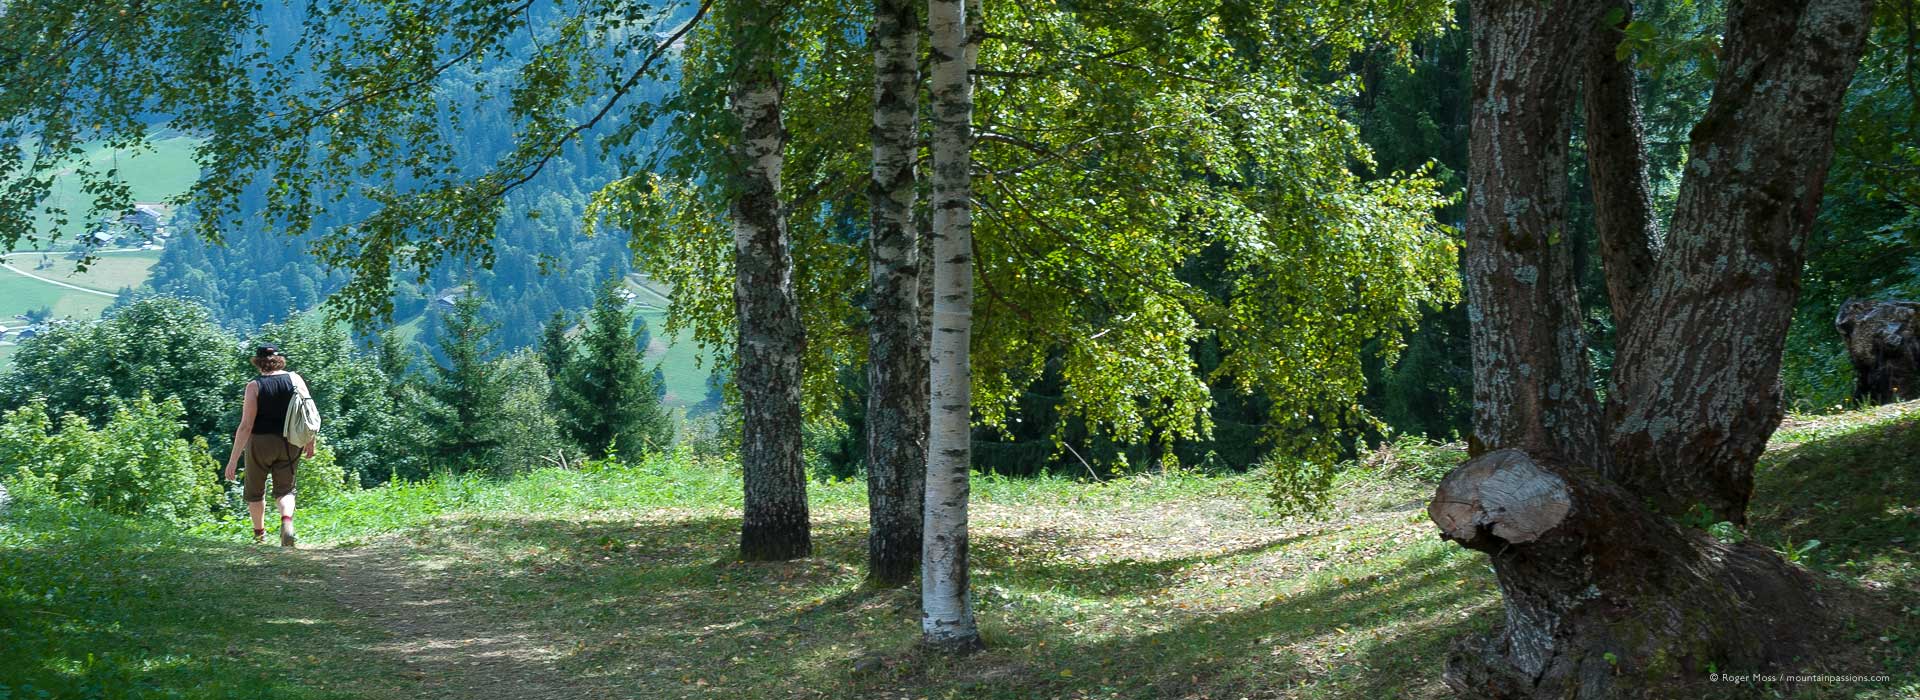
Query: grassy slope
column 156, row 174
column 111, row 273
column 99, row 607
column 1175, row 586
column 163, row 171
column 680, row 361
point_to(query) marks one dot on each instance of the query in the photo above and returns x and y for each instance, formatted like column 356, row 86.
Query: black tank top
column 270, row 403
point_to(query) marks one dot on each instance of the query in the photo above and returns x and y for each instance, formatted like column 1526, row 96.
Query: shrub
column 321, row 479
column 1415, row 457
column 164, row 346
column 134, row 465
column 530, row 436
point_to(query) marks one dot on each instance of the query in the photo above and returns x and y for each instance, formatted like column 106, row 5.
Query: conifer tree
column 463, row 422
column 556, row 349
column 608, row 397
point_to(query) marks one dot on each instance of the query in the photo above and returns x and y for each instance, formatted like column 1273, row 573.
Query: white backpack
column 303, row 417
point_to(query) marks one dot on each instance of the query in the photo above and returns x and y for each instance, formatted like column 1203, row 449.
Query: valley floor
column 619, row 583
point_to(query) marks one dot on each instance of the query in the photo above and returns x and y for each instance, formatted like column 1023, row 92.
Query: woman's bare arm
column 245, row 432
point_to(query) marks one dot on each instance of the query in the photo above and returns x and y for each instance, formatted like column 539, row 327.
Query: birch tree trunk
column 897, row 363
column 775, row 523
column 1605, row 596
column 945, row 600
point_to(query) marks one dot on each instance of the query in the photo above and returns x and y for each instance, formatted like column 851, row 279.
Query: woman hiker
column 260, row 435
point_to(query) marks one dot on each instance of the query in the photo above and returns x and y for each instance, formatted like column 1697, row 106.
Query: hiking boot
column 259, row 535
column 286, row 532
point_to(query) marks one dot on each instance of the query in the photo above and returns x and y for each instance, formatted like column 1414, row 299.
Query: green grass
column 163, row 171
column 1852, row 482
column 680, row 362
column 98, row 607
column 1174, row 585
column 109, row 272
column 19, row 293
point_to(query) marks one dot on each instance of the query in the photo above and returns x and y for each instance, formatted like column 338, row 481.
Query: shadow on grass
column 1355, row 639
column 662, row 606
column 94, row 606
column 1036, row 561
column 1857, row 492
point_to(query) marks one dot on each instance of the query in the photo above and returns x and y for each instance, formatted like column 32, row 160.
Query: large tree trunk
column 897, row 397
column 1532, row 385
column 1605, row 596
column 775, row 525
column 946, row 601
column 1696, row 385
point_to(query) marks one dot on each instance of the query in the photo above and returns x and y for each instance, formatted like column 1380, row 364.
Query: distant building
column 146, row 221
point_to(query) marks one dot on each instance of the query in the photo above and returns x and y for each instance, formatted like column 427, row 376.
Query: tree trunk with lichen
column 896, row 337
column 1605, row 595
column 775, row 523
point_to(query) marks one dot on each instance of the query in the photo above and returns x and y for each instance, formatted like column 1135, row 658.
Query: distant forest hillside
column 261, row 276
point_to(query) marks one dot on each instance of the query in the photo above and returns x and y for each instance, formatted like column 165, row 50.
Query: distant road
column 58, row 283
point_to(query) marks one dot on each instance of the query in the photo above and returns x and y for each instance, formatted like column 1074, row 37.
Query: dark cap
column 266, row 351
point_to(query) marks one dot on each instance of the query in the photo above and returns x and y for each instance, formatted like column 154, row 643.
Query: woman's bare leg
column 286, row 520
column 258, row 509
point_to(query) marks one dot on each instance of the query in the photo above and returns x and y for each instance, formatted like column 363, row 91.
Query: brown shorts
column 269, row 453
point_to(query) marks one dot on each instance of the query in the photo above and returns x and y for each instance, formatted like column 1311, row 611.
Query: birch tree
column 946, row 602
column 897, row 363
column 769, row 337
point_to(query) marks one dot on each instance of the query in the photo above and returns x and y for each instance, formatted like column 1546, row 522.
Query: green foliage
column 531, row 436
column 1796, row 552
column 606, row 395
column 464, row 423
column 322, row 480
column 1726, row 532
column 1866, row 241
column 165, row 346
column 1415, row 457
column 136, row 464
column 1116, row 144
column 556, row 347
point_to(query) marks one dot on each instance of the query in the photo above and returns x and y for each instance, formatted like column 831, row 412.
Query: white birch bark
column 945, row 599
